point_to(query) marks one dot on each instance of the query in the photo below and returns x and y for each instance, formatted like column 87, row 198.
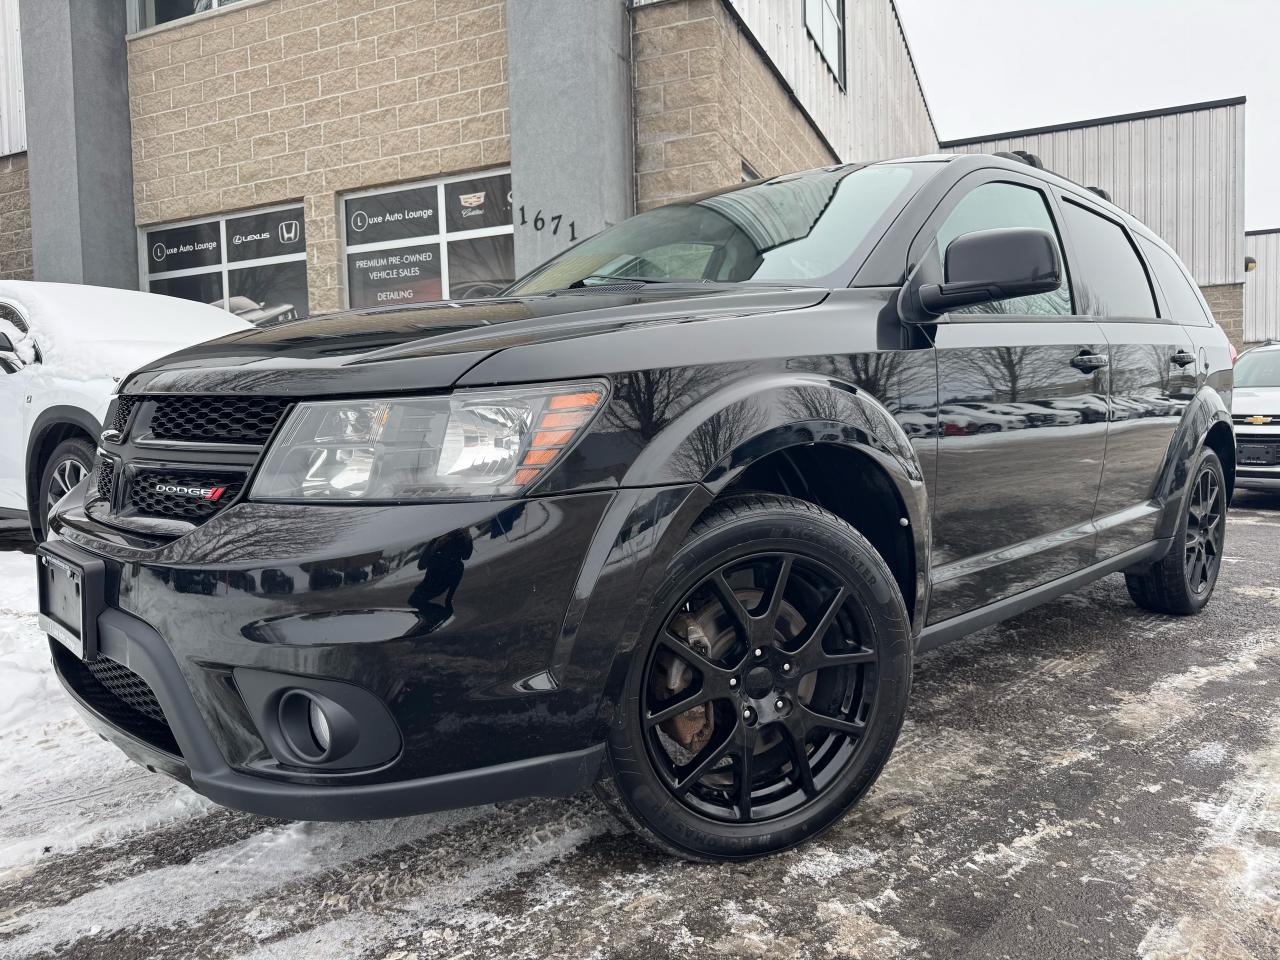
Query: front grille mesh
column 124, row 407
column 127, row 686
column 217, row 419
column 145, row 497
column 104, row 477
column 118, row 694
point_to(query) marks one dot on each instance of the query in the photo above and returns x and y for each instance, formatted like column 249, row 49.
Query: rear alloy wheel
column 70, row 462
column 1183, row 581
column 772, row 690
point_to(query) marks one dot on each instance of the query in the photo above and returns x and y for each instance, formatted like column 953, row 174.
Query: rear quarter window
column 1110, row 278
column 1185, row 304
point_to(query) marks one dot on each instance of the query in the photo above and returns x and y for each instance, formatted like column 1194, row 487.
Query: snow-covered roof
column 85, row 331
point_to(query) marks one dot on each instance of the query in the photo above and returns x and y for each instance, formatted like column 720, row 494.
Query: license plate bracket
column 72, row 592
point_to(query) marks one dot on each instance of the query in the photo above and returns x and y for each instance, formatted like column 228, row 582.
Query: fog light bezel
column 293, row 715
column 364, row 736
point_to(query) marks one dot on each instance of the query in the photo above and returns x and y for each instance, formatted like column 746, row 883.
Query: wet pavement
column 1087, row 780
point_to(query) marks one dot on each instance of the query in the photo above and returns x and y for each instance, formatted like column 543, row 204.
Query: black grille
column 124, row 407
column 145, row 494
column 1249, row 454
column 217, row 419
column 104, row 477
column 127, row 686
column 119, row 695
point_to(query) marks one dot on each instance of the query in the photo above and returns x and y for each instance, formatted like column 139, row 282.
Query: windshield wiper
column 581, row 284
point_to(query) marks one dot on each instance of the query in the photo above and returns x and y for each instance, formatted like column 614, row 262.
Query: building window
column 253, row 264
column 824, row 20
column 156, row 12
column 436, row 240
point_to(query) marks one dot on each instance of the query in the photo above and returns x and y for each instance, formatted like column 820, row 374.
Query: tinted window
column 797, row 228
column 995, row 205
column 1184, row 299
column 1111, row 280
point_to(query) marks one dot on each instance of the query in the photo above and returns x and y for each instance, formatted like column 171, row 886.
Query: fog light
column 316, row 729
column 319, row 725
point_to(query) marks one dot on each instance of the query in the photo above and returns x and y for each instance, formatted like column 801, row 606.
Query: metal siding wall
column 888, row 117
column 13, row 127
column 1181, row 174
column 1262, row 288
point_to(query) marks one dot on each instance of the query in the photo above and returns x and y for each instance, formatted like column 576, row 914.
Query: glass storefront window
column 155, row 12
column 253, row 264
column 439, row 239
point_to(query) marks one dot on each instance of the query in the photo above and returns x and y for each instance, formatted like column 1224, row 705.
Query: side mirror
column 993, row 265
column 9, row 361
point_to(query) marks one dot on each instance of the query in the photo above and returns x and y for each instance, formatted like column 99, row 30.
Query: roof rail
column 1021, row 156
column 1100, row 192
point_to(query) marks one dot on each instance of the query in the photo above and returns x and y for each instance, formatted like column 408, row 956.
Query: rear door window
column 1111, row 280
column 999, row 204
column 1184, row 301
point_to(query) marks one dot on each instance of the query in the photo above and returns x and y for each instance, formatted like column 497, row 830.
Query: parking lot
column 1084, row 781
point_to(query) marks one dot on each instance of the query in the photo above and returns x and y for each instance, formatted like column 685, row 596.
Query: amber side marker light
column 555, row 429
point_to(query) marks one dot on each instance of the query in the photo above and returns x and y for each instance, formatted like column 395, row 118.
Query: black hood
column 430, row 346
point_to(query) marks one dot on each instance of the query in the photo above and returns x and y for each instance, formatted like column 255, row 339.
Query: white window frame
column 142, row 14
column 840, row 10
column 227, row 265
column 443, row 236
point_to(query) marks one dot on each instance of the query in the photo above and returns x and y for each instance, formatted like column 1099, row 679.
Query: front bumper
column 464, row 620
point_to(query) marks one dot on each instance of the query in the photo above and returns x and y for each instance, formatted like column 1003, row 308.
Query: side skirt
column 937, row 634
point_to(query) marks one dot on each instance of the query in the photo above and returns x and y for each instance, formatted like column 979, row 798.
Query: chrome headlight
column 473, row 443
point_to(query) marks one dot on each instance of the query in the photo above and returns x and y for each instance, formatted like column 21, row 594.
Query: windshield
column 1258, row 369
column 798, row 228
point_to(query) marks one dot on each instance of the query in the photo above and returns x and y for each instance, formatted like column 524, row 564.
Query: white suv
column 63, row 349
column 1255, row 408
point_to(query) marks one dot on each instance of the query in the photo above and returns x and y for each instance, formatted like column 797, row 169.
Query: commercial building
column 292, row 156
column 1180, row 170
column 283, row 157
column 1262, row 286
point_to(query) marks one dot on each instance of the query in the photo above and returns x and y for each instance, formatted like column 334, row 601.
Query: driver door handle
column 1182, row 358
column 1087, row 362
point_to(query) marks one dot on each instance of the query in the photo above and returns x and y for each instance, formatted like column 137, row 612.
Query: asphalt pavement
column 1087, row 780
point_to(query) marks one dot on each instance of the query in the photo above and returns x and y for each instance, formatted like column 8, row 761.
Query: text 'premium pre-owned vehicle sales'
column 669, row 518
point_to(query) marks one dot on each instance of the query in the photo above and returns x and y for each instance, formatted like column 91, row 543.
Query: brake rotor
column 710, row 632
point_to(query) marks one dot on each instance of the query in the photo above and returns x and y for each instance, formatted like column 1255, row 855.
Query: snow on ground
column 1083, row 781
column 61, row 786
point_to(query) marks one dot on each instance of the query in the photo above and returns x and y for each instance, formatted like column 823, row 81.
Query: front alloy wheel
column 758, row 688
column 1206, row 528
column 773, row 686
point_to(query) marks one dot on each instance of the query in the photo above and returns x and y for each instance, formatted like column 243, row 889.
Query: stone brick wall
column 294, row 100
column 15, row 218
column 1227, row 303
column 705, row 101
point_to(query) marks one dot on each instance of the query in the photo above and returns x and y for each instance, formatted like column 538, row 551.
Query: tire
column 989, row 428
column 70, row 462
column 806, row 668
column 1183, row 581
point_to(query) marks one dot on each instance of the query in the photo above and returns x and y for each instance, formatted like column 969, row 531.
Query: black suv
column 669, row 518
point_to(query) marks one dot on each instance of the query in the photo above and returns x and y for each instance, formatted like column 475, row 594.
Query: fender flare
column 1203, row 413
column 48, row 420
column 684, row 468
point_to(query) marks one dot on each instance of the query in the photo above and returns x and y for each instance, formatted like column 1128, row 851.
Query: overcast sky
column 1002, row 65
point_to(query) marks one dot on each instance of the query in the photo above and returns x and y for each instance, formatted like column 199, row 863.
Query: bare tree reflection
column 1008, row 374
column 717, row 437
column 647, row 401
